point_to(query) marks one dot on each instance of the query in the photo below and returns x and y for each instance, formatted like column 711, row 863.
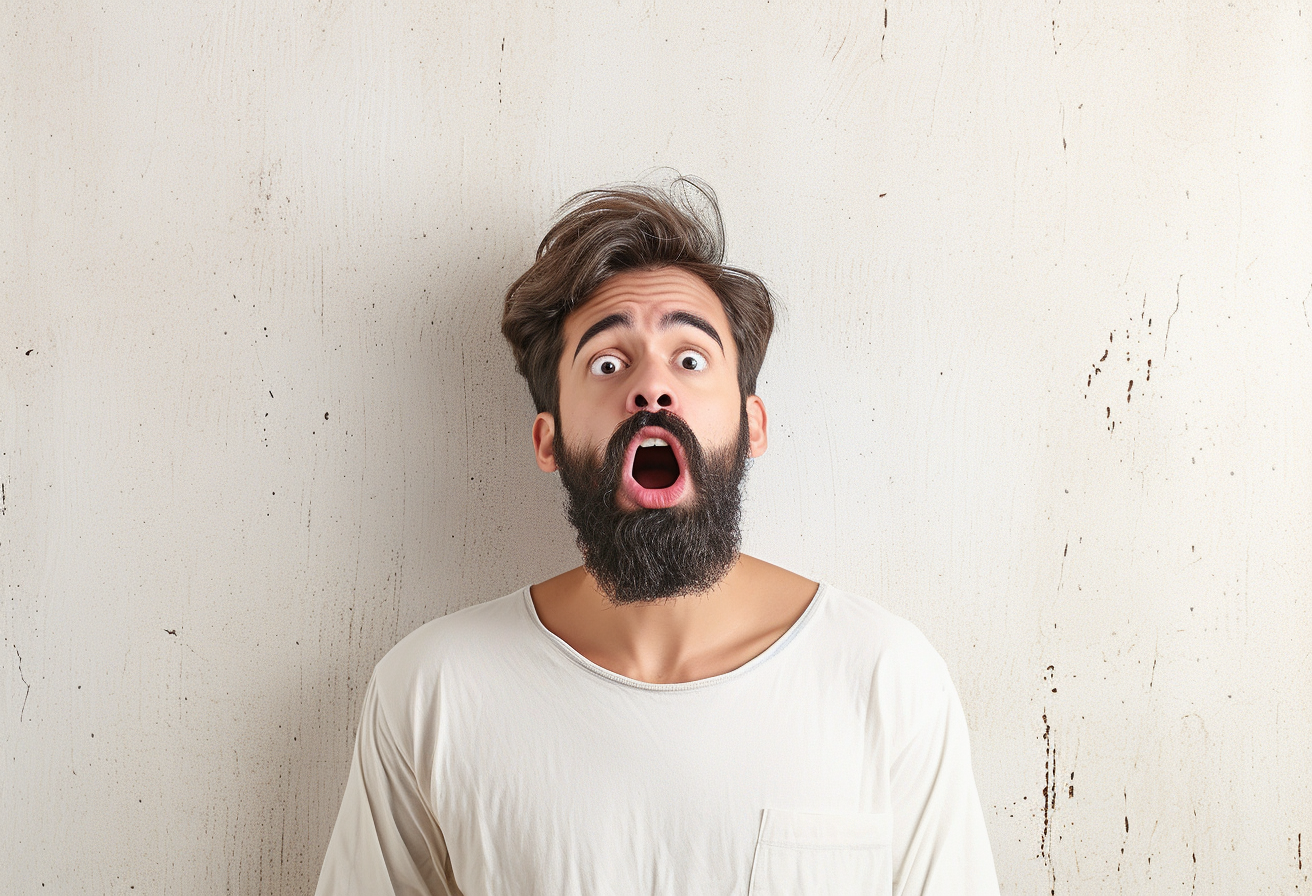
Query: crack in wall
column 22, row 678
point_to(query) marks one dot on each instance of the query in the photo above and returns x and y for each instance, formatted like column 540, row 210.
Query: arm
column 386, row 840
column 939, row 833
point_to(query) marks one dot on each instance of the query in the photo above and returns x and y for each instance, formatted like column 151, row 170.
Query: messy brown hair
column 634, row 227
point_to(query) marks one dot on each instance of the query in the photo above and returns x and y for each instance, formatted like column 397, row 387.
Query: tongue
column 655, row 468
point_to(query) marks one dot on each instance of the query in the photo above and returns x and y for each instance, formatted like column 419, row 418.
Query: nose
column 651, row 389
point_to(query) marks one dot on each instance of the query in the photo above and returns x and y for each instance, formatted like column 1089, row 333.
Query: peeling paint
column 1049, row 793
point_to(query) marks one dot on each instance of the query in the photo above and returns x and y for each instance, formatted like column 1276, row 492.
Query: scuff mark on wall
column 841, row 44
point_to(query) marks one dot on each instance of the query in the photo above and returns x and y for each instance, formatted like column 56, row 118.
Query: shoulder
column 465, row 640
column 859, row 624
column 887, row 654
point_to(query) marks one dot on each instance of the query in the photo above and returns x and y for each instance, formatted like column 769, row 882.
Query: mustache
column 618, row 446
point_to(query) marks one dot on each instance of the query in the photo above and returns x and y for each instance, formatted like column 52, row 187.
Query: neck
column 683, row 639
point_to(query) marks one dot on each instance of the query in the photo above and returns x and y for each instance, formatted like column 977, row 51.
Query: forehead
column 647, row 296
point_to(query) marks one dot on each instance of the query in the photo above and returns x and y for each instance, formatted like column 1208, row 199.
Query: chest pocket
column 801, row 853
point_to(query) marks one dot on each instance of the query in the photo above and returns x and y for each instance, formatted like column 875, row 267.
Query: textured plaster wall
column 1042, row 387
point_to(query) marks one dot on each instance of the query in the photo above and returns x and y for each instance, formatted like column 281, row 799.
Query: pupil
column 689, row 363
column 607, row 367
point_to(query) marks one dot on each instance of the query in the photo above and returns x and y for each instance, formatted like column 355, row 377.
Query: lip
column 654, row 498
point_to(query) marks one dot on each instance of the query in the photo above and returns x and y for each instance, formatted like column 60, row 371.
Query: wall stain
column 1136, row 335
column 1049, row 796
column 1051, row 786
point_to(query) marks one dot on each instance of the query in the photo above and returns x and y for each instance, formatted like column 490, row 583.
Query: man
column 673, row 717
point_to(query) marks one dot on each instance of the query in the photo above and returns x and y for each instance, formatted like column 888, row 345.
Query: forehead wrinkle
column 618, row 319
column 688, row 319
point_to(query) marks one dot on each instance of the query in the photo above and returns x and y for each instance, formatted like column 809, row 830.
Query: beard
column 651, row 554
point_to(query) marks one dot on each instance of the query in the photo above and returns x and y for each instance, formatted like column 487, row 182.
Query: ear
column 756, row 426
column 544, row 441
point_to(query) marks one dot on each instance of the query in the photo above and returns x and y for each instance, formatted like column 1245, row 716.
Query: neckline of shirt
column 579, row 659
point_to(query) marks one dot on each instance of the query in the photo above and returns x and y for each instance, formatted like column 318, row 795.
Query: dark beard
column 646, row 554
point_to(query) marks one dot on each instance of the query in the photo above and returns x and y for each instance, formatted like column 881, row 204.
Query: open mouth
column 654, row 464
column 655, row 469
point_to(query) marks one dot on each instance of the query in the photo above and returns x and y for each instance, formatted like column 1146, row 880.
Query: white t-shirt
column 492, row 758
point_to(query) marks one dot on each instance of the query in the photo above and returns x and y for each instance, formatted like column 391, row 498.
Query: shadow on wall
column 463, row 516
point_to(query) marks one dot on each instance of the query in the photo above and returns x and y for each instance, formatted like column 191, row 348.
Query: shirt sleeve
column 939, row 831
column 386, row 840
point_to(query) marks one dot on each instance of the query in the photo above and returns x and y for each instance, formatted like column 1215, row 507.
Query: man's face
column 654, row 436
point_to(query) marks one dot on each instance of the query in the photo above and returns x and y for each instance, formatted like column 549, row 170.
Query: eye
column 690, row 360
column 605, row 365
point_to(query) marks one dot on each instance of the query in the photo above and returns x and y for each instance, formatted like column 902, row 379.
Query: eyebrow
column 676, row 318
column 619, row 319
column 672, row 319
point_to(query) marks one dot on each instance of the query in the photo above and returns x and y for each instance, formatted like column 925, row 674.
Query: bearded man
column 672, row 717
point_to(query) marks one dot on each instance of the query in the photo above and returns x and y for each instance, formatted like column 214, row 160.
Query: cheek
column 586, row 423
column 714, row 424
column 716, row 406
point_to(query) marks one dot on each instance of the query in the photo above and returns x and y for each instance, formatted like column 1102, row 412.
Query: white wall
column 257, row 422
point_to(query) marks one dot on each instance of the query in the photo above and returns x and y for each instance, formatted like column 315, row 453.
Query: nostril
column 664, row 401
column 640, row 401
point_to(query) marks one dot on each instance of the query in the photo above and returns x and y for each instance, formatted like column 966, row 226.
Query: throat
column 655, row 468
